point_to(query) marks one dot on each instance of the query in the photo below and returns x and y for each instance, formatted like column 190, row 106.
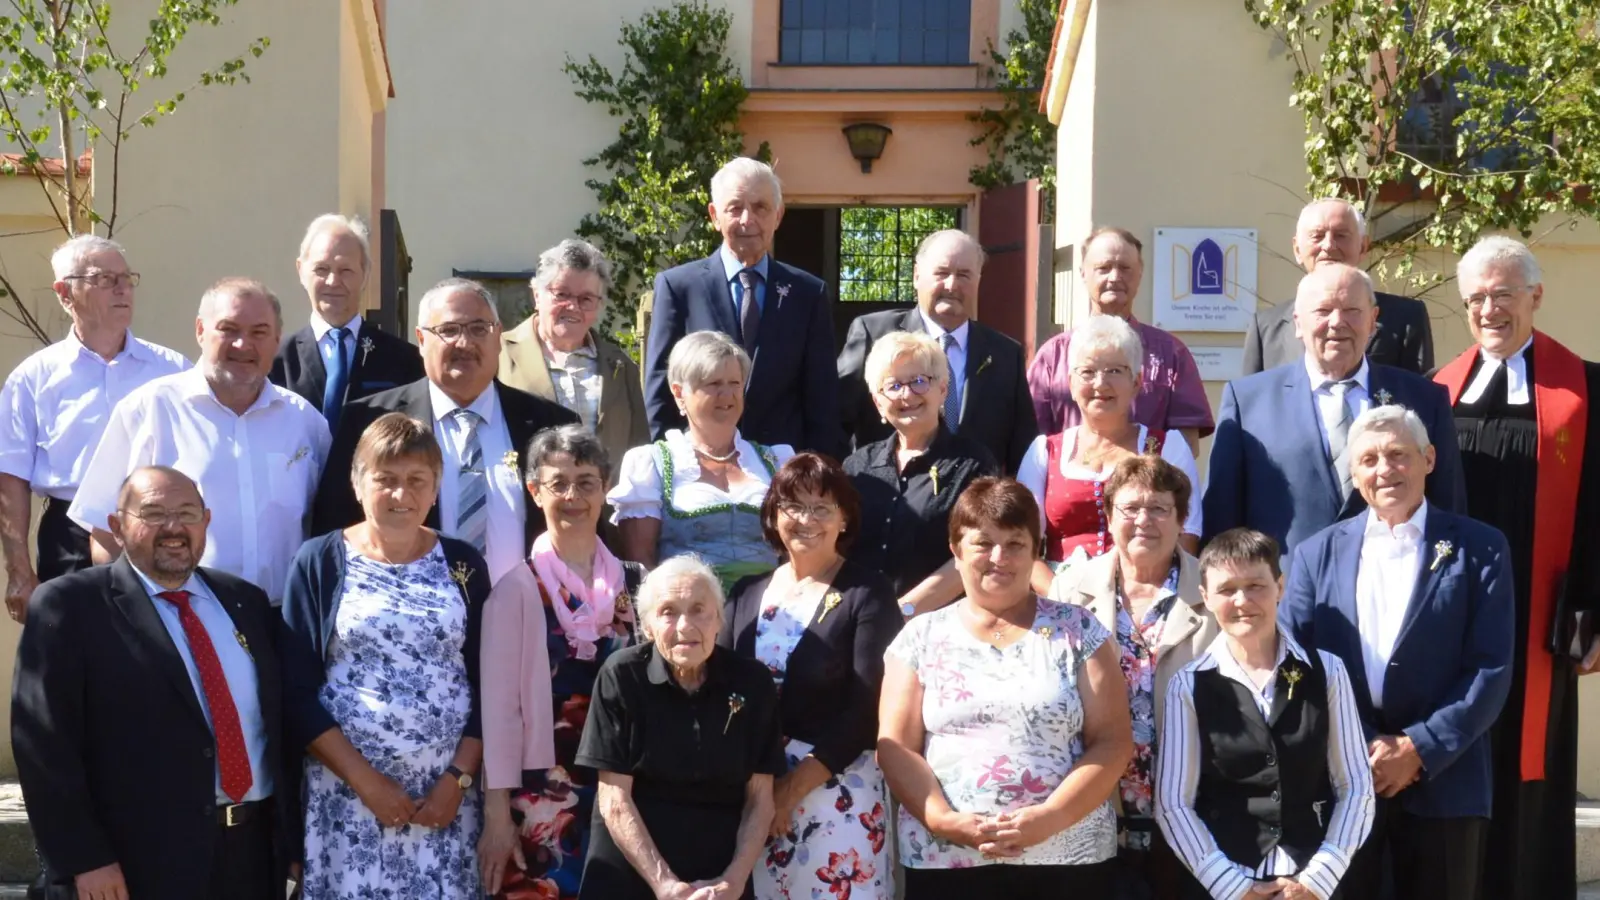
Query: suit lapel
column 1303, row 418
column 148, row 636
column 1346, row 552
column 1440, row 531
column 613, row 393
column 417, row 404
column 528, row 356
column 313, row 373
column 980, row 355
column 721, row 292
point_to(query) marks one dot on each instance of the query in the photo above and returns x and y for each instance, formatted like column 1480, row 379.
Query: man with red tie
column 145, row 716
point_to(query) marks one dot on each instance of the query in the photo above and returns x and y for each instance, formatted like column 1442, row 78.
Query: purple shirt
column 1171, row 395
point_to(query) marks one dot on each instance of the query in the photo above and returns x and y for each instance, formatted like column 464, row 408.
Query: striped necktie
column 952, row 399
column 472, row 484
column 1339, row 435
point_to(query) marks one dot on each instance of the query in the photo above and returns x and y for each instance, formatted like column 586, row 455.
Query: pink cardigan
column 518, row 725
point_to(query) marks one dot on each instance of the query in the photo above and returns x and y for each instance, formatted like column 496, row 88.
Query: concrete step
column 18, row 865
column 1590, row 891
column 1589, row 843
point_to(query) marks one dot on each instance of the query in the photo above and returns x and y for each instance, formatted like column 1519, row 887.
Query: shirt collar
column 1222, row 658
column 882, row 453
column 320, row 327
column 731, row 267
column 131, row 347
column 1513, row 358
column 1411, row 529
column 587, row 348
column 194, row 585
column 937, row 332
column 657, row 672
column 1318, row 380
column 194, row 385
column 485, row 405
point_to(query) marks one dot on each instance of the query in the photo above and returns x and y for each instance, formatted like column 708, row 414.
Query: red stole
column 1561, row 407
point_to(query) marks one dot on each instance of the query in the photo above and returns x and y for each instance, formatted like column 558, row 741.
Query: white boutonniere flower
column 1441, row 552
column 783, row 292
column 366, row 348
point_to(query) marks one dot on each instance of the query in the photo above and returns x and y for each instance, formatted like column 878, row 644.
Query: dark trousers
column 63, row 545
column 1412, row 856
column 1013, row 882
column 1154, row 874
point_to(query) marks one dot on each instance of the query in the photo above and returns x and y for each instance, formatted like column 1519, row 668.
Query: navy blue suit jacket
column 1270, row 468
column 1450, row 671
column 792, row 395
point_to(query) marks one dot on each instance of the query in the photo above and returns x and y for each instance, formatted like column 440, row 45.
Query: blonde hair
column 898, row 344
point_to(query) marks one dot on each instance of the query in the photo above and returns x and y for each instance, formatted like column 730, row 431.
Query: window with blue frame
column 875, row 32
column 1430, row 127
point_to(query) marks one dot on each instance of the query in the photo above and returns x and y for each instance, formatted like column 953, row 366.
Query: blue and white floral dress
column 397, row 686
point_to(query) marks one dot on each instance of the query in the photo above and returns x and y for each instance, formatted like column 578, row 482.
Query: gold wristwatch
column 461, row 777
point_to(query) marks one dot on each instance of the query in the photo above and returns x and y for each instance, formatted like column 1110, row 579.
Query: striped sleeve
column 1353, row 807
column 1177, row 780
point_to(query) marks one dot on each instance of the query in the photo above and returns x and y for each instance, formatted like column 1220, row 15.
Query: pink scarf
column 584, row 610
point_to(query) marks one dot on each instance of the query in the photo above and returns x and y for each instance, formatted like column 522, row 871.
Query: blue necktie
column 472, row 485
column 338, row 379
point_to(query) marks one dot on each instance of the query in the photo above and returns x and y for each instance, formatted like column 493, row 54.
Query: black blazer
column 1403, row 338
column 790, row 398
column 116, row 760
column 336, row 505
column 830, row 684
column 389, row 363
column 996, row 410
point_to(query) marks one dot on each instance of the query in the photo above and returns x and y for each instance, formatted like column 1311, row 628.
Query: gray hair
column 1355, row 213
column 575, row 441
column 895, row 345
column 927, row 243
column 740, row 170
column 441, row 292
column 671, row 571
column 70, row 255
column 1332, row 270
column 699, row 354
column 351, row 225
column 1107, row 333
column 1497, row 250
column 1392, row 418
column 572, row 255
column 238, row 286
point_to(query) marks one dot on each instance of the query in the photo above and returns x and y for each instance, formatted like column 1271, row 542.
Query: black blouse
column 831, row 680
column 905, row 516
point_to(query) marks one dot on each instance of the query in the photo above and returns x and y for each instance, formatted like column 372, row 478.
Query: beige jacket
column 621, row 424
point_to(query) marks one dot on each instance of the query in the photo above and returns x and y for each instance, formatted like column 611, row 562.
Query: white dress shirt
column 576, row 379
column 1517, row 393
column 1178, row 778
column 957, row 354
column 55, row 406
column 324, row 335
column 506, row 496
column 1391, row 559
column 257, row 471
column 1357, row 398
column 238, row 669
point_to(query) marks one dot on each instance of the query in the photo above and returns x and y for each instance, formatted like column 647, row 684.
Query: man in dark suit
column 483, row 428
column 337, row 358
column 988, row 400
column 1279, row 457
column 146, row 713
column 1417, row 602
column 779, row 313
column 1333, row 230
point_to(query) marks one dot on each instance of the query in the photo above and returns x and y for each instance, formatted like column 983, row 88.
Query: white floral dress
column 838, row 848
column 397, row 686
column 1003, row 729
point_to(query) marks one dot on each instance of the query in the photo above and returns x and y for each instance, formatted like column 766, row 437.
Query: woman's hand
column 1289, row 889
column 498, row 844
column 964, row 828
column 675, row 890
column 1020, row 829
column 439, row 809
column 386, row 799
column 785, row 798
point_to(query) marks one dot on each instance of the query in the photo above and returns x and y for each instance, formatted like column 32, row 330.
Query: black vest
column 1259, row 778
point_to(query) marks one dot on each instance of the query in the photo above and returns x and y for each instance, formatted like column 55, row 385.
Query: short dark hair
column 1152, row 473
column 1239, row 547
column 998, row 502
column 572, row 440
column 816, row 474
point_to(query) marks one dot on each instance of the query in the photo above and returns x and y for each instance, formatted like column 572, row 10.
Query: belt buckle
column 227, row 813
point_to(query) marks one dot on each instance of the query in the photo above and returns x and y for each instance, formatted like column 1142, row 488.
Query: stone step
column 1589, row 844
column 17, row 862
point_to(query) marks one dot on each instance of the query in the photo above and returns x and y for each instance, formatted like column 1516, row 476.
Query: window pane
column 812, row 13
column 790, row 15
column 960, row 48
column 877, row 249
column 790, row 50
column 933, row 46
column 881, row 32
column 838, row 14
column 887, row 52
column 935, row 14
column 838, row 46
column 911, row 14
column 910, row 48
column 886, row 14
column 861, row 45
column 811, row 45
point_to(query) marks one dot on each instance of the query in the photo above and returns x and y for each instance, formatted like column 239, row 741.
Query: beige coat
column 621, row 424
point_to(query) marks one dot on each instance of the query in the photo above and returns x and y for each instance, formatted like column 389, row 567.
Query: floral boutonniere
column 933, row 476
column 300, row 454
column 1441, row 552
column 1046, row 631
column 1292, row 675
column 783, row 292
column 510, row 461
column 366, row 348
column 983, row 365
column 461, row 574
column 735, row 703
column 829, row 603
column 1384, row 397
column 623, row 607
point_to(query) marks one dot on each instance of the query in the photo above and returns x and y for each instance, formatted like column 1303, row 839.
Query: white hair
column 351, row 225
column 701, row 353
column 741, row 170
column 896, row 345
column 670, row 572
column 1355, row 213
column 442, row 291
column 1323, row 273
column 1392, row 418
column 1107, row 333
column 237, row 286
column 1497, row 250
column 927, row 244
column 572, row 255
column 69, row 256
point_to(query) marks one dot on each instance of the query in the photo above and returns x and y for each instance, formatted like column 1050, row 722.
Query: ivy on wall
column 1020, row 139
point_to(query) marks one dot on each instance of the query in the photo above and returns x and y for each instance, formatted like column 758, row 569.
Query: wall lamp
column 866, row 141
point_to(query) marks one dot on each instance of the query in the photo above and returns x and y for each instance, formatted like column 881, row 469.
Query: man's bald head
column 145, row 478
column 161, row 523
column 1334, row 316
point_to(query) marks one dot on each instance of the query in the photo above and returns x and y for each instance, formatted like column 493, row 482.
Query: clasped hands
column 1002, row 836
column 1395, row 764
column 1281, row 889
column 394, row 808
column 710, row 889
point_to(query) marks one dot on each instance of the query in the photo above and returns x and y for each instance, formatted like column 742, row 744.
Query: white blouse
column 638, row 491
column 1035, row 463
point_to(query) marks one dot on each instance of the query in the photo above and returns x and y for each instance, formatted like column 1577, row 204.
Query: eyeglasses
column 1111, row 373
column 560, row 487
column 821, row 512
column 451, row 332
column 160, row 517
column 1156, row 512
column 1499, row 298
column 106, row 280
column 896, row 389
column 585, row 302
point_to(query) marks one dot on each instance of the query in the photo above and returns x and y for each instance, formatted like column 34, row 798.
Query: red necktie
column 232, row 757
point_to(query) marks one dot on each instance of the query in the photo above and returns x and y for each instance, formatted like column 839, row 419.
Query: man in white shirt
column 56, row 404
column 255, row 449
column 1417, row 602
column 482, row 432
